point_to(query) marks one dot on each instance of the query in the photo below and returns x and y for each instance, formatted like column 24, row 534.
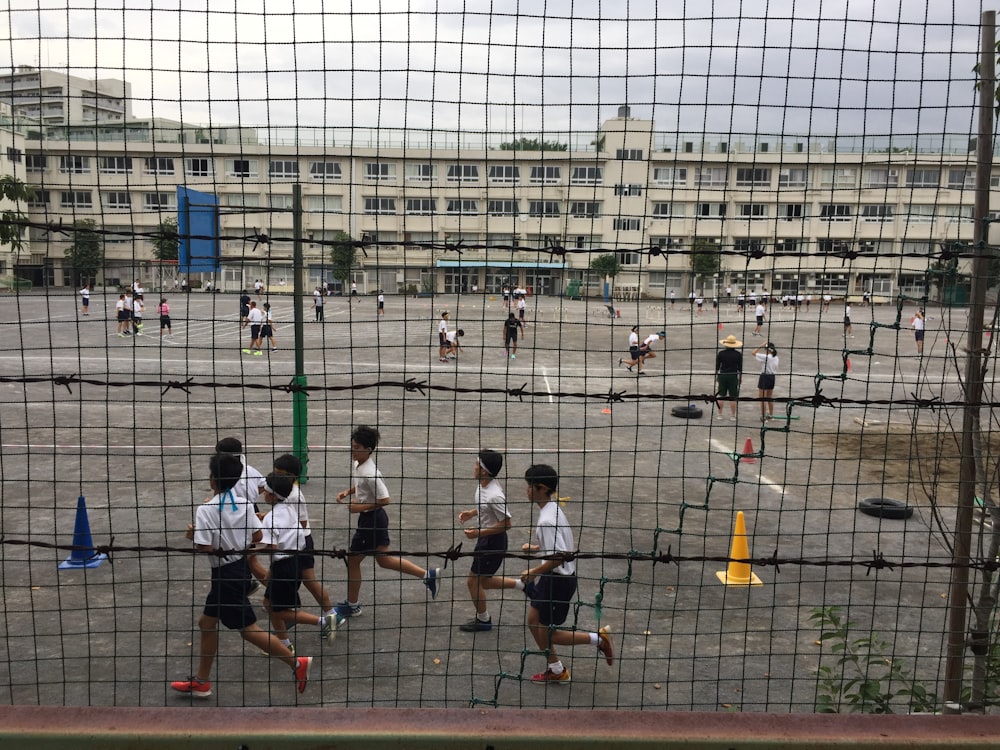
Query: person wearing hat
column 443, row 337
column 634, row 355
column 729, row 374
column 490, row 533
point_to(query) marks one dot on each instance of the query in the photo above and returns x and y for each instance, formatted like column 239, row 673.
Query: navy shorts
column 255, row 331
column 265, row 331
column 490, row 552
column 442, row 339
column 765, row 382
column 123, row 315
column 307, row 562
column 227, row 599
column 372, row 532
column 918, row 335
column 244, row 311
column 283, row 585
column 550, row 595
column 760, row 320
column 633, row 352
column 164, row 321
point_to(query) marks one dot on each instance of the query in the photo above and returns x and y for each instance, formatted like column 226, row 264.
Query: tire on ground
column 885, row 507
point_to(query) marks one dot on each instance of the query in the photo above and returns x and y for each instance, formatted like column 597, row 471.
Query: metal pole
column 959, row 593
column 300, row 403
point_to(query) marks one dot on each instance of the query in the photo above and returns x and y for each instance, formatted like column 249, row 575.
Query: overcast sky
column 769, row 66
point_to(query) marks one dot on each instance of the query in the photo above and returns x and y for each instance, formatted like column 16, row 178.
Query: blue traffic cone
column 86, row 556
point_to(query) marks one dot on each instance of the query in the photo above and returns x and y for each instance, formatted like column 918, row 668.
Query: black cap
column 491, row 460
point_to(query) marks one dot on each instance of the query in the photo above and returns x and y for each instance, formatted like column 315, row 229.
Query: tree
column 532, row 144
column 342, row 256
column 12, row 221
column 86, row 254
column 166, row 242
column 608, row 266
column 706, row 260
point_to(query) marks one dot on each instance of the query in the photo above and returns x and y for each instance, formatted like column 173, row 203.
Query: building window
column 961, row 179
column 923, row 177
column 629, row 154
column 420, row 172
column 838, row 178
column 881, row 178
column 462, row 207
column 284, row 169
column 834, row 246
column 917, row 213
column 670, row 176
column 114, row 165
column 380, row 206
column 325, row 170
column 630, row 259
column 76, row 199
column 117, row 199
column 242, row 168
column 711, row 177
column 14, row 154
column 39, row 198
column 543, row 208
column 958, row 213
column 198, row 167
column 793, row 177
column 877, row 212
column 626, row 225
column 753, row 177
column 501, row 208
column 159, row 165
column 421, row 206
column 787, row 246
column 324, row 204
column 791, row 211
column 628, row 190
column 668, row 210
column 280, row 201
column 159, row 201
column 585, row 209
column 74, row 164
column 875, row 247
column 835, row 212
column 463, row 173
column 504, row 173
column 380, row 171
column 586, row 176
column 35, row 163
column 753, row 211
column 545, row 175
column 711, row 210
column 748, row 246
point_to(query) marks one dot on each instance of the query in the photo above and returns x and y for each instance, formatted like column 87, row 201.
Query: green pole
column 300, row 405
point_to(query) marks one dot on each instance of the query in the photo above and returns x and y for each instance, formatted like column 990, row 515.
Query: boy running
column 226, row 522
column 372, row 535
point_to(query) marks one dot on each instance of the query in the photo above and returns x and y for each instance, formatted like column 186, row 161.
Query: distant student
column 372, row 535
column 634, row 351
column 121, row 315
column 522, row 306
column 919, row 325
column 443, row 337
column 267, row 327
column 226, row 522
column 490, row 534
column 380, row 310
column 163, row 310
column 510, row 329
column 85, row 299
column 256, row 319
column 759, row 311
column 244, row 308
column 318, row 304
column 848, row 330
column 551, row 584
column 138, row 308
column 766, row 380
column 284, row 537
column 453, row 346
column 646, row 347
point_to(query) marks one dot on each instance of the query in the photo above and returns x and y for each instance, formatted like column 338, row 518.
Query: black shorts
column 307, row 562
column 442, row 339
column 265, row 331
column 164, row 321
column 227, row 599
column 550, row 595
column 510, row 337
column 729, row 384
column 491, row 551
column 123, row 315
column 765, row 382
column 372, row 532
column 918, row 335
column 760, row 320
column 255, row 331
column 633, row 352
column 381, row 305
column 244, row 311
column 283, row 585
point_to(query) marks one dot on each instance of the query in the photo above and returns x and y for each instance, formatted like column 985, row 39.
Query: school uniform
column 551, row 592
column 297, row 501
column 373, row 525
column 491, row 507
column 282, row 529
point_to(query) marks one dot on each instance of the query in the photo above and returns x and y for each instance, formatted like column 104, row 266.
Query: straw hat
column 731, row 342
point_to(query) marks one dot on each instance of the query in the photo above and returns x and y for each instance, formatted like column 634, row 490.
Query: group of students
column 261, row 324
column 638, row 352
column 129, row 311
column 237, row 538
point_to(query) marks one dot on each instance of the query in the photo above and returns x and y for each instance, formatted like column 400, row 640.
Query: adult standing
column 85, row 299
column 919, row 324
column 729, row 373
column 768, row 375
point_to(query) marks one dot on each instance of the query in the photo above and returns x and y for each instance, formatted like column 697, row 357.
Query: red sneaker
column 302, row 666
column 193, row 687
column 549, row 676
column 604, row 645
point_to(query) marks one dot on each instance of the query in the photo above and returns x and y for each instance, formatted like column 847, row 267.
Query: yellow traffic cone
column 739, row 573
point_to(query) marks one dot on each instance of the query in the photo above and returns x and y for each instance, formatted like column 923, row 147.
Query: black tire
column 686, row 412
column 884, row 507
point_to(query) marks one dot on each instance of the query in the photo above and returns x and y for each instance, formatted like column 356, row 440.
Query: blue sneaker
column 345, row 611
column 431, row 581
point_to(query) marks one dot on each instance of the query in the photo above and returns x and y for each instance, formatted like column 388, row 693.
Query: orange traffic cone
column 606, row 410
column 748, row 457
column 739, row 573
column 720, row 326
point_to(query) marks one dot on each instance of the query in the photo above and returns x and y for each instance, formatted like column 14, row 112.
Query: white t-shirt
column 250, row 482
column 918, row 323
column 443, row 327
column 256, row 316
column 770, row 363
column 137, row 308
column 521, row 304
column 633, row 339
column 298, row 501
column 119, row 305
column 381, row 297
column 368, row 483
column 228, row 522
column 451, row 336
column 317, row 298
column 491, row 502
column 554, row 534
column 282, row 529
column 651, row 339
column 85, row 293
column 759, row 312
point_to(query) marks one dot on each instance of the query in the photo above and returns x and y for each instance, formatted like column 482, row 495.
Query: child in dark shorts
column 372, row 535
column 551, row 584
column 226, row 522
